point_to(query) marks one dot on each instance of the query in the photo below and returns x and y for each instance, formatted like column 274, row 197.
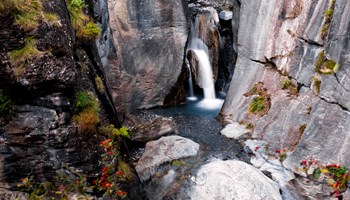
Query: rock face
column 235, row 130
column 166, row 149
column 232, row 180
column 149, row 39
column 309, row 109
column 40, row 137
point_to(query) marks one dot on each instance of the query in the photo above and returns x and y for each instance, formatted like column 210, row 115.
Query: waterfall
column 205, row 74
column 190, row 84
column 205, row 69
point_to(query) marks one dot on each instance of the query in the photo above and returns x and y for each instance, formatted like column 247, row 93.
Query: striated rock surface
column 309, row 117
column 231, row 180
column 163, row 150
column 149, row 39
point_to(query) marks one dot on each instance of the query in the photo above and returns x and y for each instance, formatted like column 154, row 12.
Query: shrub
column 99, row 84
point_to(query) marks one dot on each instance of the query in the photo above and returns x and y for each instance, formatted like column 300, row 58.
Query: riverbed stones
column 232, row 179
column 163, row 150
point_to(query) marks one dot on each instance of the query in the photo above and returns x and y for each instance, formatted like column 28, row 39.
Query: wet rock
column 235, row 130
column 163, row 150
column 149, row 39
column 231, row 180
column 153, row 130
column 225, row 15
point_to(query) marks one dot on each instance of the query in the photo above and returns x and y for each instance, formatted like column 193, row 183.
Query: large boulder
column 232, row 180
column 149, row 38
column 308, row 109
column 164, row 150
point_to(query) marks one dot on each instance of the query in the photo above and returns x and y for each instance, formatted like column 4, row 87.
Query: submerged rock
column 232, row 180
column 164, row 150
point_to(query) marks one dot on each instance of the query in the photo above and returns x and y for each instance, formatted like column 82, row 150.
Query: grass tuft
column 19, row 58
column 127, row 172
column 259, row 106
column 87, row 117
column 83, row 25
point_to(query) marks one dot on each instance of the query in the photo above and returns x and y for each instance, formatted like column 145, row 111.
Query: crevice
column 334, row 103
column 337, row 79
column 310, row 42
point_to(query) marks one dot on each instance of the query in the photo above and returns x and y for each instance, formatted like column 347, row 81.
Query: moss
column 87, row 117
column 5, row 107
column 259, row 106
column 99, row 84
column 317, row 85
column 319, row 61
column 328, row 19
column 83, row 25
column 289, row 85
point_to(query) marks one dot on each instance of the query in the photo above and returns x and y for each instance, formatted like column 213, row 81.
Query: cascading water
column 205, row 75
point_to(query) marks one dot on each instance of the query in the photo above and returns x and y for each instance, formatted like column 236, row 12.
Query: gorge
column 174, row 99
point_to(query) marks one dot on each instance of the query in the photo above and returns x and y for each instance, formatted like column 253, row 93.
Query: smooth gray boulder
column 234, row 130
column 163, row 150
column 232, row 180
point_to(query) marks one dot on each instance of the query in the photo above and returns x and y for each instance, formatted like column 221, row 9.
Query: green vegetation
column 5, row 107
column 26, row 54
column 99, row 84
column 249, row 126
column 317, row 85
column 83, row 25
column 113, row 132
column 324, row 65
column 125, row 171
column 289, row 85
column 87, row 117
column 259, row 106
column 52, row 19
column 328, row 19
column 27, row 12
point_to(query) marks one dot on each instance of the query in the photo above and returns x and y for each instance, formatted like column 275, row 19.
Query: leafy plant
column 60, row 188
column 337, row 176
column 86, row 100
